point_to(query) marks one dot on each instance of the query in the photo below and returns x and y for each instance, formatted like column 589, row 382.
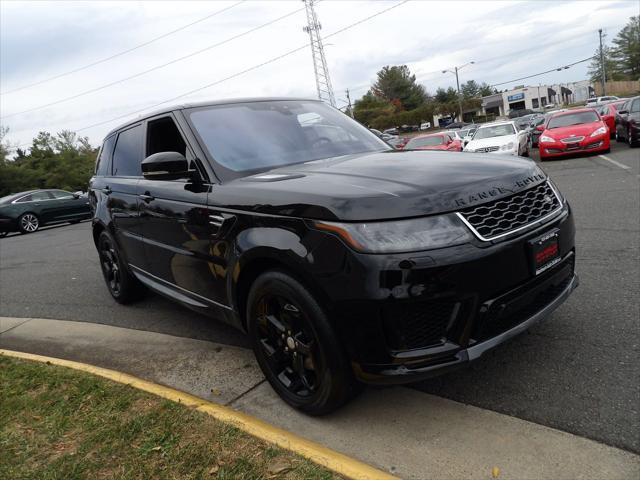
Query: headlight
column 600, row 131
column 401, row 235
column 507, row 146
column 545, row 139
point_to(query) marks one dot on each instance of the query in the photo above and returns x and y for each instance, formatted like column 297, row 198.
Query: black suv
column 345, row 261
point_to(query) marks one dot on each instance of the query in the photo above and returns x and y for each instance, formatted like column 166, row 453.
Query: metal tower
column 323, row 82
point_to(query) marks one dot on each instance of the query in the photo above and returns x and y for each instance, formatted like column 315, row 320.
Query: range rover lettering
column 347, row 262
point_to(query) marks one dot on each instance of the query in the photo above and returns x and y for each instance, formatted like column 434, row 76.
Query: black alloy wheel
column 295, row 345
column 122, row 285
column 28, row 223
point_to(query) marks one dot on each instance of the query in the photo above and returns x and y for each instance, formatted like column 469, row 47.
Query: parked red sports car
column 574, row 131
column 434, row 141
column 608, row 114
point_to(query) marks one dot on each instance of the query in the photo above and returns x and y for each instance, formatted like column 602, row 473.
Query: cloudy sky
column 41, row 40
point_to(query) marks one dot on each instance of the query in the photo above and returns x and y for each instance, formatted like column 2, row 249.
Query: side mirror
column 165, row 166
column 76, row 195
column 623, row 112
column 540, row 128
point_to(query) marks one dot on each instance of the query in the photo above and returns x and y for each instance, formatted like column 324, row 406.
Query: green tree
column 62, row 161
column 470, row 89
column 486, row 90
column 370, row 107
column 626, row 49
column 610, row 66
column 397, row 85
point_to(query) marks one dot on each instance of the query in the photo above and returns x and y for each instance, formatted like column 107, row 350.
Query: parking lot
column 578, row 371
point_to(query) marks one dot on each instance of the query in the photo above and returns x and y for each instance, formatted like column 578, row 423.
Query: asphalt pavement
column 577, row 372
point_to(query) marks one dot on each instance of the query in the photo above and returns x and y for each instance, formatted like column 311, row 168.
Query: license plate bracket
column 545, row 251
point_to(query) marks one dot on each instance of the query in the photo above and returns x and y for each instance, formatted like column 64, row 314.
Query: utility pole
column 349, row 101
column 323, row 82
column 603, row 73
column 539, row 104
column 458, row 85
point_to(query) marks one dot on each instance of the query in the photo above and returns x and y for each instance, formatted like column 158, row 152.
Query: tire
column 28, row 223
column 618, row 139
column 630, row 141
column 296, row 346
column 3, row 234
column 122, row 285
column 526, row 152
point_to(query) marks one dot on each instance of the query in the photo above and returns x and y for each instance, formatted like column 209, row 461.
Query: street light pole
column 456, row 69
column 603, row 76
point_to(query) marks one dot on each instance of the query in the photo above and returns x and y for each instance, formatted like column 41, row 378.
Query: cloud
column 41, row 39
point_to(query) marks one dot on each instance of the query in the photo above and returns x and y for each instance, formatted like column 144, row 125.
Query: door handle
column 146, row 197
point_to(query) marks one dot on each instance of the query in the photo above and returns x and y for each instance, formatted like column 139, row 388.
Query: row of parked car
column 555, row 133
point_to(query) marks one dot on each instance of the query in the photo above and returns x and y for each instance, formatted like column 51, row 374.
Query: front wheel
column 28, row 223
column 630, row 140
column 296, row 347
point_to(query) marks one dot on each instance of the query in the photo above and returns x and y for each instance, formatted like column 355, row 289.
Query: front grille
column 572, row 139
column 487, row 149
column 493, row 219
column 409, row 326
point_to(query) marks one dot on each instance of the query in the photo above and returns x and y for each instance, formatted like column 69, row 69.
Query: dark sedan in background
column 26, row 212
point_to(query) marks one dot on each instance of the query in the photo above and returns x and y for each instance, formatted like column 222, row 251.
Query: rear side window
column 127, row 155
column 104, row 159
column 635, row 106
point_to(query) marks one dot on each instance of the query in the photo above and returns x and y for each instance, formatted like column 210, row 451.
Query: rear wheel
column 28, row 223
column 296, row 347
column 122, row 285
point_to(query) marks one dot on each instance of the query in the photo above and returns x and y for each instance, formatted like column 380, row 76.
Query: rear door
column 122, row 190
column 175, row 218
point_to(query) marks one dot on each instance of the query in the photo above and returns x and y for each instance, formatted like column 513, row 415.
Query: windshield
column 573, row 119
column 424, row 142
column 494, row 131
column 244, row 137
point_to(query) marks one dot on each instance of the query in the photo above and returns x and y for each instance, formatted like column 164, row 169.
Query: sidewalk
column 404, row 432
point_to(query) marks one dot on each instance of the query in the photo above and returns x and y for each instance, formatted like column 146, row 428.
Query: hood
column 582, row 130
column 379, row 185
column 432, row 147
column 492, row 142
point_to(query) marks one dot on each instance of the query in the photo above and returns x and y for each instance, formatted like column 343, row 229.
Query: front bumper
column 405, row 317
column 589, row 144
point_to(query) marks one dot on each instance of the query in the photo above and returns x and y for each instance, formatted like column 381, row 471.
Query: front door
column 175, row 219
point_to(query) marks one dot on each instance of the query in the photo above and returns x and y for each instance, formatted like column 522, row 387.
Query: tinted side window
column 60, row 194
column 104, row 159
column 26, row 198
column 163, row 136
column 128, row 153
column 40, row 196
column 635, row 106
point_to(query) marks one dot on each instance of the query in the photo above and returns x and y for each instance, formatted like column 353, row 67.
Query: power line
column 115, row 55
column 542, row 73
column 157, row 67
column 237, row 74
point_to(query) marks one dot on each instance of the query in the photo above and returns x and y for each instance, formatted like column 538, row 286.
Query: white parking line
column 611, row 160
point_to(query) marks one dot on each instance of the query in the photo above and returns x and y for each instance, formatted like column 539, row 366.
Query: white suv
column 595, row 101
column 501, row 137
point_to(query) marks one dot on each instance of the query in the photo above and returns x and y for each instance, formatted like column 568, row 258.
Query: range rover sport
column 344, row 260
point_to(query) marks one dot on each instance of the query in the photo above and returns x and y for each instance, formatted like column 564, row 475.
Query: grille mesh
column 487, row 149
column 416, row 325
column 501, row 216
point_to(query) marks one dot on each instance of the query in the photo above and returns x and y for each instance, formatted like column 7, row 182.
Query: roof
column 207, row 103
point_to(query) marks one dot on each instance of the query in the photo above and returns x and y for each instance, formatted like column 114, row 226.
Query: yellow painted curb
column 337, row 462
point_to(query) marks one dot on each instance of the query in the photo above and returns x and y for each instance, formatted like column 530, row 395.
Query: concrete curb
column 332, row 460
